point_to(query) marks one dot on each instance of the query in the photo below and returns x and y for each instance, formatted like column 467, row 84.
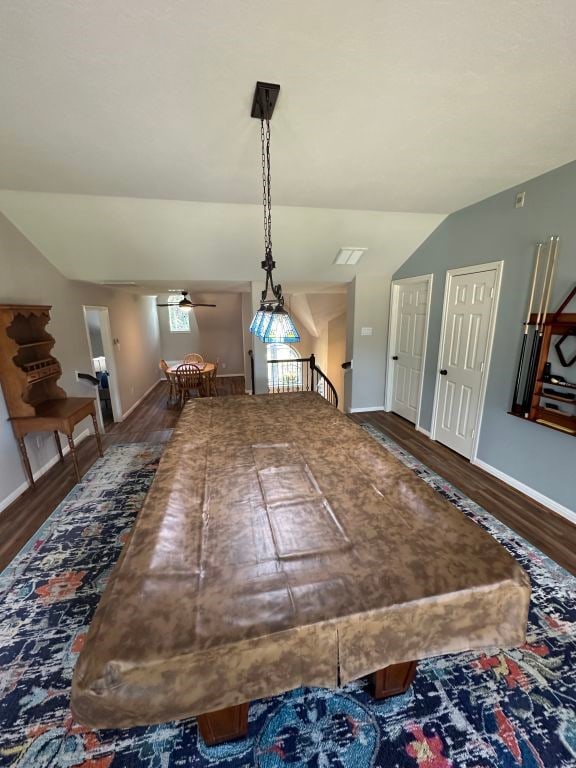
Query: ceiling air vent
column 120, row 283
column 349, row 255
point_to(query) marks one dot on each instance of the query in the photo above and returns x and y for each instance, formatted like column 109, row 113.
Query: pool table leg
column 224, row 724
column 392, row 680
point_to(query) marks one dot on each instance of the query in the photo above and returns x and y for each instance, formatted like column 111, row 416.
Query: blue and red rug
column 497, row 709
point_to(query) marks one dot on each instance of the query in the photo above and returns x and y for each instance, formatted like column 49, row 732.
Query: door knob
column 443, row 372
column 394, row 357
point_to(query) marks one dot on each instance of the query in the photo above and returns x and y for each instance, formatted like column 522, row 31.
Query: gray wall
column 495, row 230
column 215, row 332
column 26, row 277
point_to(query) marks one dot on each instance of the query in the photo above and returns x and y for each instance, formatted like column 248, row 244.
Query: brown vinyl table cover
column 281, row 546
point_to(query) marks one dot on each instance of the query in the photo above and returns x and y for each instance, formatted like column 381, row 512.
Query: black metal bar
column 531, row 376
column 89, row 377
column 251, row 354
column 520, row 369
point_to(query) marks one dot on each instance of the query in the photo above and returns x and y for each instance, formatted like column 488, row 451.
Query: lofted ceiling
column 412, row 108
column 103, row 239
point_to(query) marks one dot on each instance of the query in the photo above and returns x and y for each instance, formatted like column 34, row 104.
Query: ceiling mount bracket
column 259, row 101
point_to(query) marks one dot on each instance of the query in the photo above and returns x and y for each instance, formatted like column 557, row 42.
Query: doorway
column 468, row 322
column 99, row 334
column 409, row 312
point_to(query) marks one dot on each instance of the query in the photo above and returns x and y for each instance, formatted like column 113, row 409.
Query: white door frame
column 450, row 273
column 392, row 326
column 108, row 346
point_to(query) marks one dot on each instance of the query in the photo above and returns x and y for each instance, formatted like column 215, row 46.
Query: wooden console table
column 29, row 374
column 56, row 416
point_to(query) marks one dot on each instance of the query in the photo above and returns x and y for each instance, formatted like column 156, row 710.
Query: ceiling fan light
column 280, row 328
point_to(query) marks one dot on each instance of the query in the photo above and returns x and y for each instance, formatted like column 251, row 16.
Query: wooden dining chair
column 212, row 388
column 188, row 377
column 164, row 367
column 193, row 357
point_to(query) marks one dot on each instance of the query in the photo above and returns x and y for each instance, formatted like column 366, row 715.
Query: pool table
column 280, row 545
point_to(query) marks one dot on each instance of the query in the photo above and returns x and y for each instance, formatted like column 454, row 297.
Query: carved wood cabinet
column 29, row 376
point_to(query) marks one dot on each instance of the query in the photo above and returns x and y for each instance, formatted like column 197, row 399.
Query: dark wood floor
column 548, row 531
column 152, row 421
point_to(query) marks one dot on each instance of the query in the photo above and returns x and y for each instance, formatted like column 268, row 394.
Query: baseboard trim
column 367, row 410
column 527, row 491
column 424, row 431
column 228, row 375
column 41, row 471
column 137, row 403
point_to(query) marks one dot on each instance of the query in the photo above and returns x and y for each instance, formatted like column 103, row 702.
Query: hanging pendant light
column 271, row 324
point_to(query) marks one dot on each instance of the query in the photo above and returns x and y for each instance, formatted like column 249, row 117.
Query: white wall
column 174, row 346
column 368, row 307
column 93, row 323
column 215, row 332
column 247, row 315
column 27, row 277
column 336, row 354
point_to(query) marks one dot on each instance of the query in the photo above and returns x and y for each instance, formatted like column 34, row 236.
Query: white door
column 466, row 325
column 409, row 342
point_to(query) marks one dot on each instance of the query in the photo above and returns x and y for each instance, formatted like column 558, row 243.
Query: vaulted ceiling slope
column 113, row 238
column 413, row 109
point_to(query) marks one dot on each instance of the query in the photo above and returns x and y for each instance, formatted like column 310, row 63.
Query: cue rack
column 541, row 395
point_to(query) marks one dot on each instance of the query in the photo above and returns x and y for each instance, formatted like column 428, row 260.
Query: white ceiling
column 414, row 106
column 114, row 238
column 389, row 105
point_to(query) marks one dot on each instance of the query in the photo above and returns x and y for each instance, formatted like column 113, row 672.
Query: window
column 286, row 376
column 179, row 318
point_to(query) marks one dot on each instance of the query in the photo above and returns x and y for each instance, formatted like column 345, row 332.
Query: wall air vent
column 350, row 255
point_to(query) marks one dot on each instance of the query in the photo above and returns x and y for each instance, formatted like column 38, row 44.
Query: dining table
column 206, row 370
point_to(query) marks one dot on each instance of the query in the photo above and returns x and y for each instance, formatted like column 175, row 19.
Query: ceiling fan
column 185, row 303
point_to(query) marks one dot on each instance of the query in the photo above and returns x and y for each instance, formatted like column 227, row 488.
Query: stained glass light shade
column 280, row 329
column 257, row 320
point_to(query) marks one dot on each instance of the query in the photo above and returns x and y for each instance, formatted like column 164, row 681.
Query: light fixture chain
column 264, row 186
column 268, row 180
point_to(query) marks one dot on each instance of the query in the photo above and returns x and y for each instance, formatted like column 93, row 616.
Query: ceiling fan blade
column 203, row 305
column 163, row 305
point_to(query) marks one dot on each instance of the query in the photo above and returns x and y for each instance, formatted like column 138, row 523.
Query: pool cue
column 540, row 322
column 532, row 361
column 539, row 247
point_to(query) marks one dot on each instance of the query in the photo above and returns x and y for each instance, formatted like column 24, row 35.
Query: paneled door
column 408, row 350
column 468, row 309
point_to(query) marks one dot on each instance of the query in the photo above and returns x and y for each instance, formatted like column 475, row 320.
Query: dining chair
column 212, row 388
column 164, row 367
column 193, row 357
column 188, row 377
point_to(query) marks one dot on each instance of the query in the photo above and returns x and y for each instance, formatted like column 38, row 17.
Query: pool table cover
column 281, row 546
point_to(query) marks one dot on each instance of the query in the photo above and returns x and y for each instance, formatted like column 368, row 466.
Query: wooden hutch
column 29, row 376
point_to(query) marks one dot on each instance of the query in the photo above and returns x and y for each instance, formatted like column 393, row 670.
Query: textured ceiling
column 389, row 105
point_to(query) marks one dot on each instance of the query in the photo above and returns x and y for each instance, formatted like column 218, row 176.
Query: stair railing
column 297, row 375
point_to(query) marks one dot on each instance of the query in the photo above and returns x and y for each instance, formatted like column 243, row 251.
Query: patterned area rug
column 500, row 708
